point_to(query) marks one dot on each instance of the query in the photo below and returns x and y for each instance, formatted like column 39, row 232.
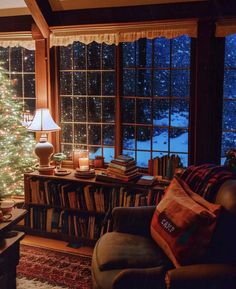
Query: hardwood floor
column 55, row 244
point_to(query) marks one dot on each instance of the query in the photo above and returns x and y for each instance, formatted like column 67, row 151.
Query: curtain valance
column 23, row 39
column 114, row 34
column 225, row 27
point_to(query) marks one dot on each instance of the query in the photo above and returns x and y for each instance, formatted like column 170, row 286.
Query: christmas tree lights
column 16, row 143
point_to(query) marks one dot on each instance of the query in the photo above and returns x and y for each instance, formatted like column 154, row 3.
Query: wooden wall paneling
column 46, row 11
column 173, row 11
column 42, row 76
column 207, row 100
column 41, row 73
column 16, row 23
column 131, row 13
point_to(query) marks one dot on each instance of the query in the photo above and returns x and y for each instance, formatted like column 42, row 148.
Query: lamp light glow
column 43, row 122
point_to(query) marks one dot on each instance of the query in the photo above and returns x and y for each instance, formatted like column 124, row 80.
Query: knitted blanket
column 206, row 179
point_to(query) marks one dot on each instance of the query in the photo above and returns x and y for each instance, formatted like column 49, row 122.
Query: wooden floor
column 55, row 244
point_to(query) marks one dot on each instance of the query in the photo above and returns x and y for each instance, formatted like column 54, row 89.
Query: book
column 49, row 219
column 72, row 199
column 116, row 178
column 150, row 166
column 34, row 187
column 89, row 198
column 121, row 167
column 120, row 172
column 124, row 158
column 146, row 180
column 122, row 176
column 55, row 220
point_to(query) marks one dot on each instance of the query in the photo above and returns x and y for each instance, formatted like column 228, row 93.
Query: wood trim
column 118, row 109
column 41, row 73
column 84, row 4
column 38, row 17
column 54, row 102
column 46, row 10
column 196, row 10
column 122, row 27
column 131, row 14
column 206, row 125
column 225, row 27
column 192, row 101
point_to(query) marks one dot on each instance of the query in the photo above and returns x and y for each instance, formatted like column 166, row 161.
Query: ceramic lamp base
column 44, row 151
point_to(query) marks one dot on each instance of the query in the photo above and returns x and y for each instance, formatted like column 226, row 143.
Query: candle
column 84, row 164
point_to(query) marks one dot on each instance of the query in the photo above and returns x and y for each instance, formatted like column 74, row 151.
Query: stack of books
column 123, row 168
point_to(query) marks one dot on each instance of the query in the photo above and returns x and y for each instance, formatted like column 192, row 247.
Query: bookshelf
column 78, row 210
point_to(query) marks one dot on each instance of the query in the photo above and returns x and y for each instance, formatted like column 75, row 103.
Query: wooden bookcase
column 75, row 209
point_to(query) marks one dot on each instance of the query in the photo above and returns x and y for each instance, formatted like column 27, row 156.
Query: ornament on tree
column 16, row 143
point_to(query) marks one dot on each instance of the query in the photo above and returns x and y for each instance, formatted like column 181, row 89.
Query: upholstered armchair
column 128, row 258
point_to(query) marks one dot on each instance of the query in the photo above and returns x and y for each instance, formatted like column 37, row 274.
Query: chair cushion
column 183, row 224
column 121, row 250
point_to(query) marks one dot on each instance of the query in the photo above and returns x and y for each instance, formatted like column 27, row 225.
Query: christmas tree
column 16, row 143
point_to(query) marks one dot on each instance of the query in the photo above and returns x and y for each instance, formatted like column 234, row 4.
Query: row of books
column 123, row 168
column 164, row 166
column 60, row 221
column 86, row 197
column 57, row 220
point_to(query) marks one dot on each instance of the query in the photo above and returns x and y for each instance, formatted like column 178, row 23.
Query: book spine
column 120, row 167
column 150, row 167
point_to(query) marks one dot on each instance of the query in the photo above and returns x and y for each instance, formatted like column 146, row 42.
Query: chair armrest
column 205, row 276
column 135, row 220
column 151, row 278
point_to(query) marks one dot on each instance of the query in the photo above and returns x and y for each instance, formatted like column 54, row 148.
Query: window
column 156, row 82
column 155, row 87
column 20, row 67
column 87, row 97
column 229, row 107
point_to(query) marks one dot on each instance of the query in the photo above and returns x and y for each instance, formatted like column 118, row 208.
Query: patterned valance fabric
column 23, row 39
column 114, row 34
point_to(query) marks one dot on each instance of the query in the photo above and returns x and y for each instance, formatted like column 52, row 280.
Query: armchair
column 128, row 258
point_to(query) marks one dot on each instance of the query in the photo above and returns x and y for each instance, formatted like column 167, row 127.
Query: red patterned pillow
column 183, row 224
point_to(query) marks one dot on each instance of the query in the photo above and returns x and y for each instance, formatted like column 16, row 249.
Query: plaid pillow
column 183, row 224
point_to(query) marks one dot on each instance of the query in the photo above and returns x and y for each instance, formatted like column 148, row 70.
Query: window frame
column 118, row 100
column 226, row 100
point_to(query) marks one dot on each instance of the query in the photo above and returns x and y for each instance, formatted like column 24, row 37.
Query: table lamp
column 43, row 122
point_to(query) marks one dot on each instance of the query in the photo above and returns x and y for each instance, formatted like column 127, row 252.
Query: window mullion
column 118, row 101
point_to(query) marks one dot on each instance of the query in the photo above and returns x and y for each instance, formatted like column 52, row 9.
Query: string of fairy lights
column 16, row 143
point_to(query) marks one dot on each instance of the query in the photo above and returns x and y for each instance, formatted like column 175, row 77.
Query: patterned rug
column 53, row 268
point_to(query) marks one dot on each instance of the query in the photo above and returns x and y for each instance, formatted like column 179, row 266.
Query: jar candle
column 84, row 164
column 99, row 162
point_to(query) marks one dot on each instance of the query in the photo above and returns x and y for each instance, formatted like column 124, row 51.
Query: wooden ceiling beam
column 130, row 14
column 35, row 8
column 202, row 9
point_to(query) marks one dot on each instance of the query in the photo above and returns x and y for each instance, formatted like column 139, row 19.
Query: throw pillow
column 183, row 224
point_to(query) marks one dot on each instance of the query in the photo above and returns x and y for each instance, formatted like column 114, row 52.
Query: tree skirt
column 56, row 270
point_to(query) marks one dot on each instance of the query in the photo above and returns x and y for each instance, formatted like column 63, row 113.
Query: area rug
column 49, row 269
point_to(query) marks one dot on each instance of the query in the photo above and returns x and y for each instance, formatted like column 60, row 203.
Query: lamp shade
column 43, row 121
